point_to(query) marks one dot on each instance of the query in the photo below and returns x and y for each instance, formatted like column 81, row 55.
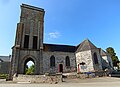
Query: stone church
column 51, row 58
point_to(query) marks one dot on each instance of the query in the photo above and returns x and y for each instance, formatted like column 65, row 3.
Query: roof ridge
column 86, row 45
column 91, row 44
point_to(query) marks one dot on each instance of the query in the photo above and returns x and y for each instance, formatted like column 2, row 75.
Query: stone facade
column 59, row 59
column 87, row 57
column 97, row 67
column 38, row 78
column 49, row 58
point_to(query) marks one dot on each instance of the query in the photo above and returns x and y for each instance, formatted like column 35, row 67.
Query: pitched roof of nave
column 85, row 45
column 59, row 48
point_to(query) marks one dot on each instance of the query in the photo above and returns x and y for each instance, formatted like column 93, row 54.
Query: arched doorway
column 29, row 66
column 60, row 67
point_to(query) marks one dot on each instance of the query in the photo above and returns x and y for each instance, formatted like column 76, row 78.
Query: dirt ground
column 94, row 82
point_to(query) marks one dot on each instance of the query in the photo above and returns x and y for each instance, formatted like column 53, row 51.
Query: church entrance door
column 60, row 68
column 78, row 68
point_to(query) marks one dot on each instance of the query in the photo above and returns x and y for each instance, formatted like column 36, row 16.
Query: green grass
column 3, row 76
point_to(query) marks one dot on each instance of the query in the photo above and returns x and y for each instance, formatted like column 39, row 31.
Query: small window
column 52, row 61
column 35, row 42
column 95, row 58
column 26, row 41
column 67, row 61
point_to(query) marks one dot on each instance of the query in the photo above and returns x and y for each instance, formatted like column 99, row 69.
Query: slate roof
column 5, row 58
column 59, row 48
column 85, row 45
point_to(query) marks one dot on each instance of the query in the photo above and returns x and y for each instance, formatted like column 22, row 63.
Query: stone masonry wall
column 38, row 78
column 86, row 57
column 59, row 59
column 97, row 67
column 25, row 54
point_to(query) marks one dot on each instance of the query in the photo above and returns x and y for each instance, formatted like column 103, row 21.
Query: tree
column 30, row 70
column 112, row 53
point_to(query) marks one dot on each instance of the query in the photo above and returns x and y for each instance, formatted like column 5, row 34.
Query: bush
column 3, row 76
column 30, row 71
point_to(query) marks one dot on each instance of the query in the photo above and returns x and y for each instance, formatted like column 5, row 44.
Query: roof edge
column 59, row 44
column 32, row 7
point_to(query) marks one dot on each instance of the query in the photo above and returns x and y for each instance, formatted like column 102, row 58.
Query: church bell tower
column 29, row 40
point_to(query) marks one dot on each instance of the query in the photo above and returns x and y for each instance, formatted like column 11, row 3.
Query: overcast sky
column 66, row 22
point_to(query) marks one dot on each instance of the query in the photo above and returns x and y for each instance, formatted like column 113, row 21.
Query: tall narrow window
column 34, row 42
column 67, row 60
column 95, row 58
column 52, row 61
column 26, row 41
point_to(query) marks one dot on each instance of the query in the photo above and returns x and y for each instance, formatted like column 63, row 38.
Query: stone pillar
column 41, row 61
column 31, row 34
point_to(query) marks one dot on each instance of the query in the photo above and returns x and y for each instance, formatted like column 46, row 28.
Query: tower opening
column 29, row 67
column 35, row 42
column 26, row 41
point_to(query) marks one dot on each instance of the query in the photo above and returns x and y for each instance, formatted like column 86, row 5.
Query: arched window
column 95, row 58
column 67, row 60
column 52, row 61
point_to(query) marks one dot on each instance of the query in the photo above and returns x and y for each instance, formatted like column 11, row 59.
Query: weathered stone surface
column 32, row 24
column 59, row 59
column 87, row 58
column 38, row 78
